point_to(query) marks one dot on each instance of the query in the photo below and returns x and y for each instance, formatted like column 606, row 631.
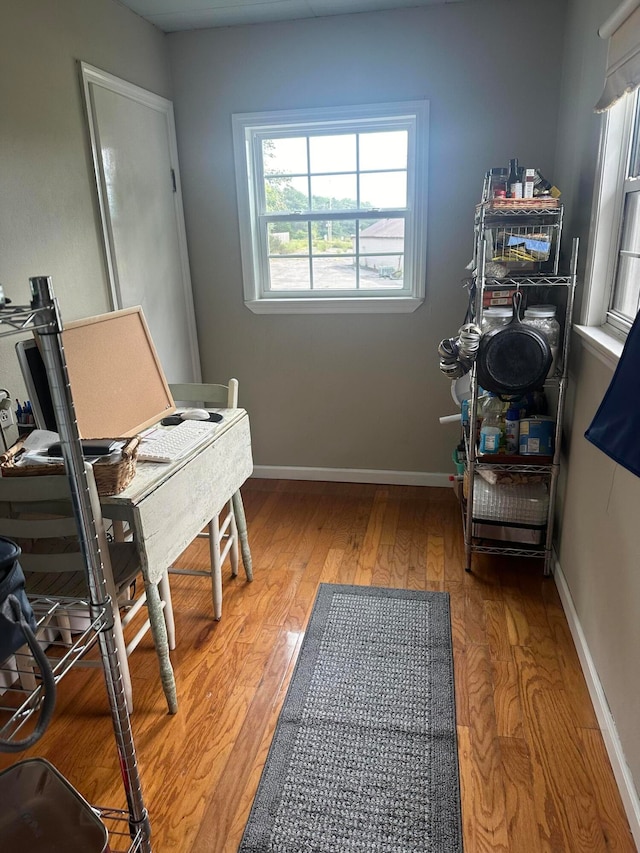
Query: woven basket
column 111, row 477
column 544, row 203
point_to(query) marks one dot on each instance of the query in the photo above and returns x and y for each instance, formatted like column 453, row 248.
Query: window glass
column 627, row 286
column 285, row 156
column 334, row 192
column 333, row 153
column 384, row 189
column 384, row 150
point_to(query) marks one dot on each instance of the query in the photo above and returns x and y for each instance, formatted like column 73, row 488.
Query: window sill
column 601, row 342
column 361, row 305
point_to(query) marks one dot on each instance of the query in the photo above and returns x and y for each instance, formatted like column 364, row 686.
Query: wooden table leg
column 159, row 632
column 241, row 521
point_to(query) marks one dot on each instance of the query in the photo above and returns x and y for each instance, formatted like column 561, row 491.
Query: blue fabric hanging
column 615, row 429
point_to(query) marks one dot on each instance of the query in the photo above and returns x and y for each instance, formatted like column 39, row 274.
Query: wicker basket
column 111, row 477
column 540, row 203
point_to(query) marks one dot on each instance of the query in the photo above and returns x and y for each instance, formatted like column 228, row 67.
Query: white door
column 135, row 158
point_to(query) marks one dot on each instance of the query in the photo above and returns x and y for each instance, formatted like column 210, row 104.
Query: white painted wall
column 49, row 221
column 599, row 530
column 363, row 391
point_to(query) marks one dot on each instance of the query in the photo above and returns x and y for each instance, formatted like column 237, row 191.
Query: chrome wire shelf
column 120, row 837
column 513, row 469
column 20, row 684
column 507, row 467
column 19, row 318
column 538, row 551
column 528, row 281
column 524, row 211
column 534, row 551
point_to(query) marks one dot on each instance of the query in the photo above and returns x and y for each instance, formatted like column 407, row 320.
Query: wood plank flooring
column 534, row 771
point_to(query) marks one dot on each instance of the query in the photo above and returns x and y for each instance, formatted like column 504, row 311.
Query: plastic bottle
column 512, row 428
column 492, row 430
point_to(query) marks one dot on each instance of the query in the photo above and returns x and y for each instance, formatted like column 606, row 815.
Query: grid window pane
column 384, row 189
column 334, row 192
column 381, row 247
column 634, row 159
column 627, row 285
column 288, row 238
column 285, row 156
column 625, row 299
column 333, row 237
column 334, row 274
column 289, row 274
column 630, row 240
column 333, row 153
column 286, row 195
column 385, row 150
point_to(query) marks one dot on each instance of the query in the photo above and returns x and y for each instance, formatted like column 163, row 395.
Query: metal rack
column 42, row 315
column 486, row 217
column 504, row 230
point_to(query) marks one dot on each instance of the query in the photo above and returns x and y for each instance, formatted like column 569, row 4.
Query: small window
column 625, row 297
column 614, row 275
column 332, row 208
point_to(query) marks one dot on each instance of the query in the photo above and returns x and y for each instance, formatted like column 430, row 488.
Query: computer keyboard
column 176, row 442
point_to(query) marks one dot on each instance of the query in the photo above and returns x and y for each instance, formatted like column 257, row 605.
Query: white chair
column 231, row 523
column 36, row 512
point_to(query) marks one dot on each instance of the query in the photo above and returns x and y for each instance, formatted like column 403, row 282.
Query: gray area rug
column 364, row 758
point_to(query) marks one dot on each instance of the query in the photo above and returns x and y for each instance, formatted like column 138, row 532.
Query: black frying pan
column 514, row 359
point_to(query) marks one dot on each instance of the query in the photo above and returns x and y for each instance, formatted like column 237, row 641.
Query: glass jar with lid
column 495, row 317
column 543, row 318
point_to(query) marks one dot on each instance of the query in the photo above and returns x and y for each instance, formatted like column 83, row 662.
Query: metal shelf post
column 43, row 315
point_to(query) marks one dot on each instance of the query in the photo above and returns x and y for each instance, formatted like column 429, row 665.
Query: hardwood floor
column 534, row 772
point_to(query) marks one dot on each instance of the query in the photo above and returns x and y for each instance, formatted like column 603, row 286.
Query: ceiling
column 174, row 15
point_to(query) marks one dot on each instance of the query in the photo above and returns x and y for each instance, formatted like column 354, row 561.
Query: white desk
column 167, row 505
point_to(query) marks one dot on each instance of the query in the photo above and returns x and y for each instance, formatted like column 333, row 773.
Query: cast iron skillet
column 514, row 359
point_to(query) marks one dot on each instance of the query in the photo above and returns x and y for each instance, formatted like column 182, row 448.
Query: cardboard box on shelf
column 503, row 296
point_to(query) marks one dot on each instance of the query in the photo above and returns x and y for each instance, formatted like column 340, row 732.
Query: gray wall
column 599, row 530
column 358, row 391
column 49, row 221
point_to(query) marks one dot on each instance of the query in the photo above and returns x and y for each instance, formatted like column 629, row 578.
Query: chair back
column 208, row 395
column 37, row 513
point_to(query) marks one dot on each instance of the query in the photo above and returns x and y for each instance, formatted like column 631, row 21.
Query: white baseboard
column 621, row 771
column 352, row 475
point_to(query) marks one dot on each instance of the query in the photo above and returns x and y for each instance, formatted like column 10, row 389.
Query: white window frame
column 248, row 131
column 602, row 330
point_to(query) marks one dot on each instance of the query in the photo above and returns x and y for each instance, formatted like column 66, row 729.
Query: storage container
column 523, row 248
column 536, row 436
column 522, row 503
column 543, row 318
column 521, row 535
column 496, row 317
column 42, row 813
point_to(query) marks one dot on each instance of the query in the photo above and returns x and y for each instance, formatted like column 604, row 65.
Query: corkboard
column 117, row 382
